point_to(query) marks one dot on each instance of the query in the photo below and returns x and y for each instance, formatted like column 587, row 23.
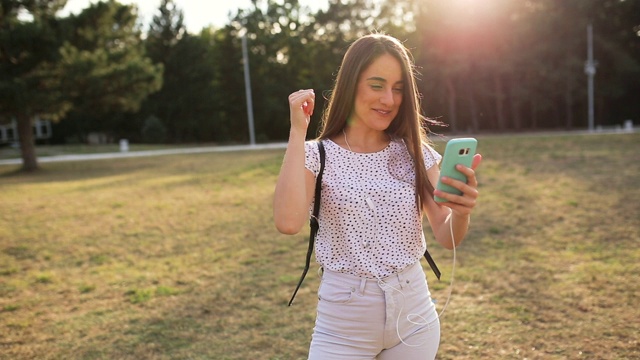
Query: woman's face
column 378, row 94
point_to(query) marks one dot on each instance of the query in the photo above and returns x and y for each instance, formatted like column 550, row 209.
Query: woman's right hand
column 301, row 105
column 296, row 184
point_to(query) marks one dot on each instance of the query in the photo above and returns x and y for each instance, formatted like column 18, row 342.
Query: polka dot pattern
column 370, row 225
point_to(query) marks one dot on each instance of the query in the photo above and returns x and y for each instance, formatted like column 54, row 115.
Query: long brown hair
column 409, row 125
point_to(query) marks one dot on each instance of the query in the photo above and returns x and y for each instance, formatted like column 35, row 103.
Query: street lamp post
column 247, row 86
column 590, row 70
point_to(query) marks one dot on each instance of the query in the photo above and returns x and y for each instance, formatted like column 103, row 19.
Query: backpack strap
column 314, row 226
column 432, row 264
column 313, row 221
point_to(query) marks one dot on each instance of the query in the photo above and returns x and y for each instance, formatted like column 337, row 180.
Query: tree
column 92, row 62
column 483, row 65
column 165, row 31
column 292, row 48
column 278, row 61
column 616, row 27
column 229, row 115
column 185, row 104
column 105, row 66
column 29, row 84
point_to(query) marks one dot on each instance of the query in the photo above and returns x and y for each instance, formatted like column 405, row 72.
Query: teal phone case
column 457, row 151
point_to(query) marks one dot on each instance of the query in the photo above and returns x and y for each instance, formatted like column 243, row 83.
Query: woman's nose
column 387, row 97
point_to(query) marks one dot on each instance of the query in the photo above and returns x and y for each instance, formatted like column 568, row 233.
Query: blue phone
column 457, row 151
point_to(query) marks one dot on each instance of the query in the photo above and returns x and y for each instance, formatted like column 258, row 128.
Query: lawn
column 176, row 257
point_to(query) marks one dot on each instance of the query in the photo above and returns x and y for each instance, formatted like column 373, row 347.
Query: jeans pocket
column 335, row 292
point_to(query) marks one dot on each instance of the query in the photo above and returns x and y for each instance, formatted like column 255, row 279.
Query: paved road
column 130, row 154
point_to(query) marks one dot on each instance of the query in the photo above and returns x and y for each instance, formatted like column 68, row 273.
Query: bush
column 153, row 131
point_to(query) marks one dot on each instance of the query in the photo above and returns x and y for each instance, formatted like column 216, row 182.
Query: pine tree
column 92, row 62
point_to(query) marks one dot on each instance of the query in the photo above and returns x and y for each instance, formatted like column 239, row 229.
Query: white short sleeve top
column 370, row 225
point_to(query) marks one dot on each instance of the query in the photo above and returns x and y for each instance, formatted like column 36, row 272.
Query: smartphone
column 457, row 151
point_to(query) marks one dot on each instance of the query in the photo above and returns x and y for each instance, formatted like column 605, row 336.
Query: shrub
column 153, row 131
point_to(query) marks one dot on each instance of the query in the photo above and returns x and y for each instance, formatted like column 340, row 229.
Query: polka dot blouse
column 370, row 225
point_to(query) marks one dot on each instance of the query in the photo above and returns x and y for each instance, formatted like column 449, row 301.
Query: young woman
column 374, row 302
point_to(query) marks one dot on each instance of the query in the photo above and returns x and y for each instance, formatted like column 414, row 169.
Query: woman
column 374, row 301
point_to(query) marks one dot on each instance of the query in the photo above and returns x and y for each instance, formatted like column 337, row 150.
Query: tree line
column 491, row 65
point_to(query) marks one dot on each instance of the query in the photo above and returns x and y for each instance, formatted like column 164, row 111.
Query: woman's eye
column 398, row 90
column 376, row 87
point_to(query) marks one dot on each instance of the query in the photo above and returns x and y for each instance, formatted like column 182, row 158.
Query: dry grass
column 176, row 257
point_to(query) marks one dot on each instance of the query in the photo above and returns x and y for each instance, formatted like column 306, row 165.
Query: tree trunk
column 27, row 147
column 557, row 112
column 569, row 99
column 598, row 113
column 515, row 107
column 499, row 93
column 452, row 104
column 534, row 114
column 473, row 108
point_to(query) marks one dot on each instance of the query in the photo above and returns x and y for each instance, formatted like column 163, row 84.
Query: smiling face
column 378, row 94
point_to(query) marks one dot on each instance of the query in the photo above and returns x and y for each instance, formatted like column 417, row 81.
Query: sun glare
column 474, row 6
column 470, row 27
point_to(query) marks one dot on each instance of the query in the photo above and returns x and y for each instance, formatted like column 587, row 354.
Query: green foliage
column 153, row 131
column 29, row 83
column 165, row 31
column 187, row 101
column 92, row 63
column 104, row 61
column 484, row 65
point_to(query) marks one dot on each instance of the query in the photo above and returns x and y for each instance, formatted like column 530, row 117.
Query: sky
column 197, row 13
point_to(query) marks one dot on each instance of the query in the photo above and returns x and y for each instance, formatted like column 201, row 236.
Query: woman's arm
column 295, row 186
column 456, row 212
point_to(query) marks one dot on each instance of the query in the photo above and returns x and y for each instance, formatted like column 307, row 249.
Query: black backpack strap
column 432, row 264
column 313, row 222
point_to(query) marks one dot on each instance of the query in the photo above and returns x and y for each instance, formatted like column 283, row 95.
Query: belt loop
column 363, row 283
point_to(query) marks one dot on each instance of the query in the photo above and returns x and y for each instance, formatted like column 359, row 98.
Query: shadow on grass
column 225, row 164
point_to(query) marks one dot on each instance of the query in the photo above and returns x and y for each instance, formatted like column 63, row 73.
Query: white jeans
column 369, row 319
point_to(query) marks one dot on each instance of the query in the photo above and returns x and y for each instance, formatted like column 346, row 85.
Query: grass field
column 176, row 257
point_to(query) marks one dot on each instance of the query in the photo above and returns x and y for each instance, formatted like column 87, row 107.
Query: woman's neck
column 362, row 140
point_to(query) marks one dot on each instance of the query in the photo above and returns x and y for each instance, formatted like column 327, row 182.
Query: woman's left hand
column 462, row 204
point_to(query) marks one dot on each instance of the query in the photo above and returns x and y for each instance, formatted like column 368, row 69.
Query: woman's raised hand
column 301, row 105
